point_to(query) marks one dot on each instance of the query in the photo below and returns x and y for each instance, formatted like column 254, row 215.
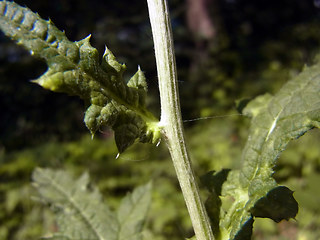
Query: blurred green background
column 226, row 50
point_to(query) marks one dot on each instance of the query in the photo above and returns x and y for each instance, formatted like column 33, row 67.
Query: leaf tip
column 110, row 64
column 87, row 38
column 53, row 82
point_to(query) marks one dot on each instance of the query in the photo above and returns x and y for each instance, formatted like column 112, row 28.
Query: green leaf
column 278, row 204
column 246, row 231
column 214, row 182
column 81, row 212
column 75, row 69
column 276, row 120
column 132, row 212
column 193, row 238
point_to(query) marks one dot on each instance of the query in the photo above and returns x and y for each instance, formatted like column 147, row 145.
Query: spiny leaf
column 81, row 212
column 74, row 68
column 276, row 120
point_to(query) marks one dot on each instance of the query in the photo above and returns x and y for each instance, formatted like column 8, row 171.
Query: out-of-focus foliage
column 259, row 45
column 24, row 218
column 81, row 212
column 167, row 219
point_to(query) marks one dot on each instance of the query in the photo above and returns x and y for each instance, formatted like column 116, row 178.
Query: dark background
column 254, row 42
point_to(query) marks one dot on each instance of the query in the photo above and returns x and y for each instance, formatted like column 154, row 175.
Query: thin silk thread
column 212, row 117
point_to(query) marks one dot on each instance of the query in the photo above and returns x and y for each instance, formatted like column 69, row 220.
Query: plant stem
column 171, row 121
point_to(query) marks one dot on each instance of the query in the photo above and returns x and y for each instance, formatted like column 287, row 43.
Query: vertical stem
column 171, row 120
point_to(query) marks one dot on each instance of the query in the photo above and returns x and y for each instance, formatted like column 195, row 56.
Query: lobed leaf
column 74, row 68
column 276, row 120
column 81, row 212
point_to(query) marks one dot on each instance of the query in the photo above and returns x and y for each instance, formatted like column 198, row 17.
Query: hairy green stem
column 171, row 120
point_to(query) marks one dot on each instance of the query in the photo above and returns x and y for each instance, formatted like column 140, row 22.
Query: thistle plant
column 74, row 68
